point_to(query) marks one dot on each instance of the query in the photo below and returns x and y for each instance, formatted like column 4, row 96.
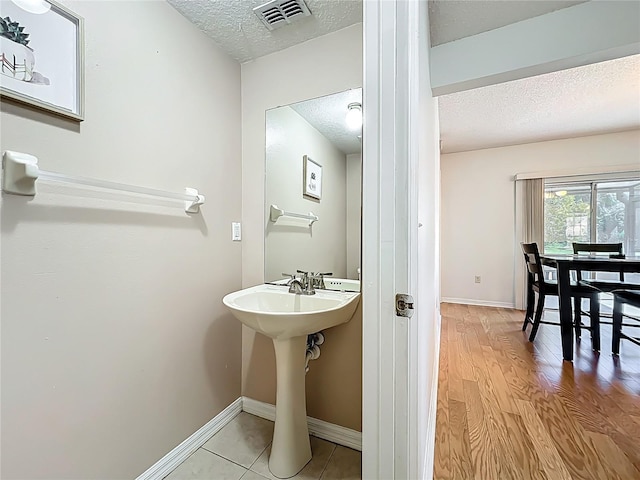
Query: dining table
column 564, row 264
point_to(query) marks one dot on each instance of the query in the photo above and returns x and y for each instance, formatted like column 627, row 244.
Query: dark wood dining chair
column 536, row 283
column 620, row 298
column 609, row 249
column 613, row 250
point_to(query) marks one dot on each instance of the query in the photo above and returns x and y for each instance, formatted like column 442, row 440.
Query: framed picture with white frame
column 42, row 56
column 312, row 177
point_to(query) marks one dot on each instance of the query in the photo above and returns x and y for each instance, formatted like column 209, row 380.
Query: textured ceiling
column 451, row 20
column 327, row 114
column 593, row 99
column 584, row 101
column 237, row 30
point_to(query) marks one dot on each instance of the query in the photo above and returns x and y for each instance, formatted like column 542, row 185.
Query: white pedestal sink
column 287, row 319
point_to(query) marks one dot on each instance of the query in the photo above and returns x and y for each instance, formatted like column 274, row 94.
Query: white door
column 400, row 247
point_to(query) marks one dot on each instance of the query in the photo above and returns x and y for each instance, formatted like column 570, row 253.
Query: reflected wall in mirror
column 315, row 129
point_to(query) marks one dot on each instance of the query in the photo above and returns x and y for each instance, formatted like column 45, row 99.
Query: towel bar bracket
column 193, row 206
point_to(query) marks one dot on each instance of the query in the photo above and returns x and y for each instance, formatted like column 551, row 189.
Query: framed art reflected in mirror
column 312, row 179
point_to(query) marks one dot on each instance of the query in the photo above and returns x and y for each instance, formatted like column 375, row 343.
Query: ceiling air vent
column 278, row 13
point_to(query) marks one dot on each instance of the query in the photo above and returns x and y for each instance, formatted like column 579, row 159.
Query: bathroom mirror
column 313, row 188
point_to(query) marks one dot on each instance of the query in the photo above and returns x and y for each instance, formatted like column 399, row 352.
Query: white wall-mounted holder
column 20, row 172
column 276, row 213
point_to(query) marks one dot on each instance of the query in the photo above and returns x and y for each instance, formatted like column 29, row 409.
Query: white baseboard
column 482, row 303
column 318, row 428
column 259, row 409
column 175, row 457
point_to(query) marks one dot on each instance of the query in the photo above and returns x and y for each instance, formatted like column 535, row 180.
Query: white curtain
column 529, row 195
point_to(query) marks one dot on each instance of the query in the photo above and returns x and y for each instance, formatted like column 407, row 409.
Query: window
column 593, row 211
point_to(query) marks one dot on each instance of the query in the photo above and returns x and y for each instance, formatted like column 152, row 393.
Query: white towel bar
column 20, row 172
column 276, row 213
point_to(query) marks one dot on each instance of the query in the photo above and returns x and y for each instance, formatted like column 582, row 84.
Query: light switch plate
column 236, row 231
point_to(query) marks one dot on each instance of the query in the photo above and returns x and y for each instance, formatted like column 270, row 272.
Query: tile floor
column 241, row 451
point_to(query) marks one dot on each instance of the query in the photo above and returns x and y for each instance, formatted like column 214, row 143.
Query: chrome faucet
column 301, row 285
column 307, row 283
column 295, row 286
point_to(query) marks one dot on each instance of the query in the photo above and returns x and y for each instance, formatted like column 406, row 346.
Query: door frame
column 400, row 356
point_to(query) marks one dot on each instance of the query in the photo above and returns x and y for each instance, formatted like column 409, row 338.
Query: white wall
column 328, row 64
column 290, row 243
column 115, row 343
column 426, row 334
column 354, row 213
column 478, row 207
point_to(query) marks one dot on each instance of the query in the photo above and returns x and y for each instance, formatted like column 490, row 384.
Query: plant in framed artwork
column 41, row 56
column 13, row 31
column 16, row 56
column 312, row 177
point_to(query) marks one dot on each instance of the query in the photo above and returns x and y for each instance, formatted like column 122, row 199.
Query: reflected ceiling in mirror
column 313, row 169
column 328, row 115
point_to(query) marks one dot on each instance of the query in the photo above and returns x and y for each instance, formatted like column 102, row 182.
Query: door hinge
column 404, row 305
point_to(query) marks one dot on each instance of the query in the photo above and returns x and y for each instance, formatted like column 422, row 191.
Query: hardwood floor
column 510, row 409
